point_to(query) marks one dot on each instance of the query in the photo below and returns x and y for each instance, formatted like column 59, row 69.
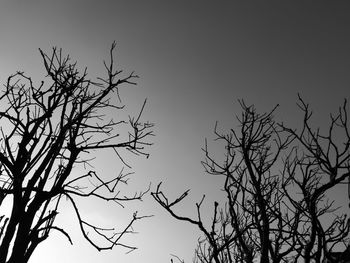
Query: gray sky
column 195, row 59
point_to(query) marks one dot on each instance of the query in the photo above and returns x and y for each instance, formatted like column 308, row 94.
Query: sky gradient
column 195, row 59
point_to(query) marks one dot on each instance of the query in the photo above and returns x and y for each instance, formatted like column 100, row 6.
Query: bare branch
column 50, row 130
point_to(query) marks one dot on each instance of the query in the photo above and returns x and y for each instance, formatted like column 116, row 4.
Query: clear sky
column 195, row 59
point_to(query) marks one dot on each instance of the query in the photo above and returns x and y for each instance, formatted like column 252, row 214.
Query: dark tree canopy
column 52, row 129
column 277, row 181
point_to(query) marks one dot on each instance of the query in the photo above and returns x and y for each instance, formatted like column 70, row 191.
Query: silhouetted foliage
column 50, row 130
column 277, row 182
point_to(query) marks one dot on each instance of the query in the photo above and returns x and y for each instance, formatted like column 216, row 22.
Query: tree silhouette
column 49, row 131
column 277, row 182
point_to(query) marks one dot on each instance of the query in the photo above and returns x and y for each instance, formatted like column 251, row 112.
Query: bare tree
column 276, row 182
column 319, row 163
column 49, row 131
